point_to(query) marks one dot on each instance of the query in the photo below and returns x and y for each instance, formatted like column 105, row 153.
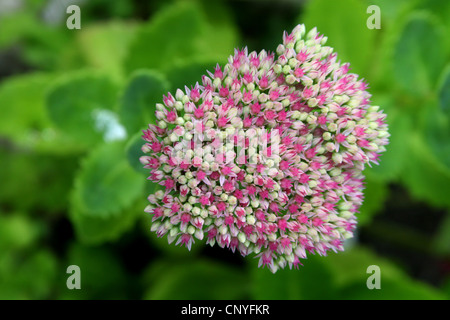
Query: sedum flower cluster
column 266, row 155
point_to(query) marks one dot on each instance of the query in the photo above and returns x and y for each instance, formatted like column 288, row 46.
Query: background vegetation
column 72, row 104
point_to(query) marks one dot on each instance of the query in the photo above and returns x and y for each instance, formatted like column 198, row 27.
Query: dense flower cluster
column 266, row 155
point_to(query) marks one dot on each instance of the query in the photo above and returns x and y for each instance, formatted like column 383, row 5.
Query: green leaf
column 375, row 194
column 104, row 196
column 188, row 73
column 81, row 105
column 446, row 287
column 391, row 289
column 351, row 265
column 177, row 34
column 419, row 55
column 439, row 8
column 424, row 175
column 41, row 45
column 97, row 43
column 134, row 152
column 106, row 183
column 27, row 276
column 437, row 133
column 93, row 230
column 344, row 23
column 195, row 280
column 15, row 26
column 168, row 38
column 22, row 105
column 313, row 281
column 350, row 274
column 18, row 231
column 24, row 118
column 137, row 104
column 220, row 34
column 340, row 275
column 442, row 238
column 102, row 274
column 391, row 162
column 393, row 17
column 50, row 48
column 34, row 181
column 444, row 91
column 392, row 10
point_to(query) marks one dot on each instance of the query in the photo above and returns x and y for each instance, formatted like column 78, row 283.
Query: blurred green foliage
column 72, row 104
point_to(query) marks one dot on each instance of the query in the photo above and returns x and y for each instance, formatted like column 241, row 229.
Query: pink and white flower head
column 266, row 156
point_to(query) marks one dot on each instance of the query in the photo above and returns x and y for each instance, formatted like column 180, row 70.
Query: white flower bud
column 255, row 203
column 192, row 200
column 250, row 219
column 162, row 124
column 196, row 211
column 232, row 200
column 337, row 158
column 191, row 229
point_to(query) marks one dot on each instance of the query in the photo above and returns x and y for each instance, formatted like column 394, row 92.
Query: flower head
column 266, row 155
